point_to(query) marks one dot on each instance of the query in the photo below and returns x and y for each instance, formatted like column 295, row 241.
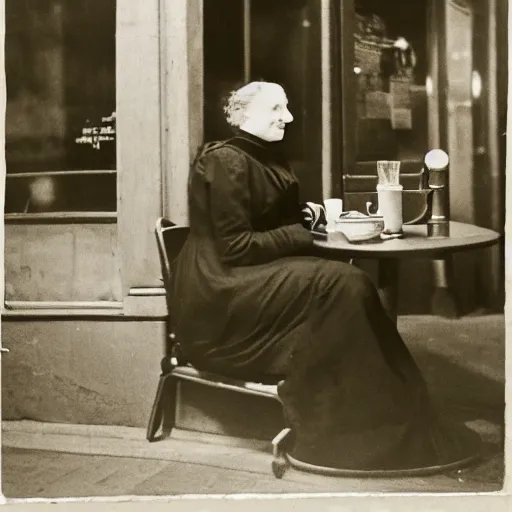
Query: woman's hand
column 314, row 217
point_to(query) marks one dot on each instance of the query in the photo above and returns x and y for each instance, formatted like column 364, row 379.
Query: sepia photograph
column 253, row 248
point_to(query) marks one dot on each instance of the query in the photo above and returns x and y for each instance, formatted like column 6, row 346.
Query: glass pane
column 459, row 36
column 60, row 69
column 285, row 49
column 63, row 192
column 390, row 67
column 223, row 61
column 284, row 46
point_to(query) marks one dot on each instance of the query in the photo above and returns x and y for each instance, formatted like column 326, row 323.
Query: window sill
column 50, row 308
column 56, row 217
column 79, row 172
column 143, row 307
column 60, row 313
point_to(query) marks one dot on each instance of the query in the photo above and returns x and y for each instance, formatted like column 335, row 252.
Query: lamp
column 437, row 166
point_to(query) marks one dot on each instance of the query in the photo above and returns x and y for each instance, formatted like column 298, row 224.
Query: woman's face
column 267, row 114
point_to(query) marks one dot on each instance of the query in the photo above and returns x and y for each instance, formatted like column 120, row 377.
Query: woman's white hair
column 240, row 99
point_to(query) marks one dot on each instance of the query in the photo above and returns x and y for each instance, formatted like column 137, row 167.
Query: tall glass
column 388, row 172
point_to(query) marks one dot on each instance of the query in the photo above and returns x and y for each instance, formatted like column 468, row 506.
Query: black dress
column 251, row 300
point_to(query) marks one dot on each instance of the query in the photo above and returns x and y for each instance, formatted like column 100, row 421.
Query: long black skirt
column 355, row 397
column 352, row 392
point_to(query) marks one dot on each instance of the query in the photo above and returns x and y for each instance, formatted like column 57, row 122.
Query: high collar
column 255, row 140
column 265, row 152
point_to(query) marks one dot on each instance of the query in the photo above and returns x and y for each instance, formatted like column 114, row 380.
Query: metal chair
column 170, row 240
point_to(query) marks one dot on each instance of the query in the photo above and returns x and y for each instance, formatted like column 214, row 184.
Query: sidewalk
column 52, row 461
column 462, row 360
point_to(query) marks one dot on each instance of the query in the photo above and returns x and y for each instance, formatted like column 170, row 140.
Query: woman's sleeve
column 229, row 194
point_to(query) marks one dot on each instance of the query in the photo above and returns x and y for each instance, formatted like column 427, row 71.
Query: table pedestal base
column 283, row 442
column 352, row 473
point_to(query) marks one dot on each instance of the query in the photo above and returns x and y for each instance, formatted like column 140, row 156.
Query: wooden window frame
column 58, row 216
column 156, row 111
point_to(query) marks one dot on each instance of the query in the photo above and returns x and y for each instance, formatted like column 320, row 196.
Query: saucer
column 391, row 236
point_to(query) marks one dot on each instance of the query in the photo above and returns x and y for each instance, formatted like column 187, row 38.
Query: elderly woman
column 252, row 300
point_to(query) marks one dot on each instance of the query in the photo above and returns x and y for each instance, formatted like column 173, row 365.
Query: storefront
column 107, row 102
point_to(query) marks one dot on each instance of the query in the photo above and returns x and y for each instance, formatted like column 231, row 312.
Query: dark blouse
column 251, row 198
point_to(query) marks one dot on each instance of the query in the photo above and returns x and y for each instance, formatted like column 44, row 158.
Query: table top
column 414, row 243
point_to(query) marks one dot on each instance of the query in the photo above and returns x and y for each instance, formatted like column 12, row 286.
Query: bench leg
column 279, row 445
column 164, row 409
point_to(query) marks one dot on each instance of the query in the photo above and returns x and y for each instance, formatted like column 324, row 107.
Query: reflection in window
column 60, row 71
column 390, row 63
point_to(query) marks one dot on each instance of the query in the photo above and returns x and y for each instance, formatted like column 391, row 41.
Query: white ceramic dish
column 360, row 229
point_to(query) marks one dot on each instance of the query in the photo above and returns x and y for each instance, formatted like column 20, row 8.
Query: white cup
column 390, row 207
column 333, row 210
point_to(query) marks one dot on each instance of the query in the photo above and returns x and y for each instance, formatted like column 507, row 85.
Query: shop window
column 61, row 108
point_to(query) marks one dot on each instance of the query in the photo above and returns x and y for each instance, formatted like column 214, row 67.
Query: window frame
column 142, row 169
column 58, row 215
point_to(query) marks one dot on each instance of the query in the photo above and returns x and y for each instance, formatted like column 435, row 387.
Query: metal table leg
column 443, row 302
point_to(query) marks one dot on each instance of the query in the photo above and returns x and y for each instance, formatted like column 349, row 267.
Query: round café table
column 414, row 244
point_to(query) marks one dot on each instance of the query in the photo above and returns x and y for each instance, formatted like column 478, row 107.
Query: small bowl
column 359, row 229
